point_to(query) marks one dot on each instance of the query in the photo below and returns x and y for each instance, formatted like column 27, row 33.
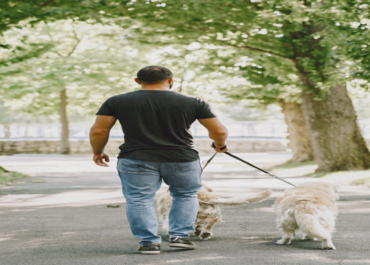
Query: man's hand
column 99, row 135
column 218, row 148
column 98, row 159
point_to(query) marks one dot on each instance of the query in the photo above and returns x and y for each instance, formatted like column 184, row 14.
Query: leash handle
column 222, row 148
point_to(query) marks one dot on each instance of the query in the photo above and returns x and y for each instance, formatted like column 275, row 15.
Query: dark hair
column 153, row 74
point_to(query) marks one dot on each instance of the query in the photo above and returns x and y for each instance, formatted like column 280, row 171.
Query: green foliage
column 288, row 41
column 14, row 12
column 358, row 49
column 9, row 176
column 93, row 62
column 257, row 50
column 365, row 181
column 289, row 165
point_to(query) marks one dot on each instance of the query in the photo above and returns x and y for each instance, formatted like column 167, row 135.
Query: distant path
column 59, row 216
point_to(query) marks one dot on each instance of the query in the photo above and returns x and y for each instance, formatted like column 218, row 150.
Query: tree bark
column 6, row 129
column 64, row 141
column 335, row 135
column 299, row 139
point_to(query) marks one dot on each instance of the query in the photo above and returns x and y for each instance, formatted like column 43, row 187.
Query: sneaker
column 149, row 249
column 181, row 242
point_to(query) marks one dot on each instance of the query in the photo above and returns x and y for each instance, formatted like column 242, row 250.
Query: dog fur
column 209, row 212
column 309, row 208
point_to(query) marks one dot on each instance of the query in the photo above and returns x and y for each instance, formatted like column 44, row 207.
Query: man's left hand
column 98, row 159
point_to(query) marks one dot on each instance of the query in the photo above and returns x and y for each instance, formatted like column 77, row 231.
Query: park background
column 289, row 79
column 271, row 69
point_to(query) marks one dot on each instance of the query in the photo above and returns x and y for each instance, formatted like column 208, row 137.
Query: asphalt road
column 60, row 216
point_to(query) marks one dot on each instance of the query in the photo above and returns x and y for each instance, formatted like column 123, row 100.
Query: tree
column 87, row 64
column 16, row 12
column 301, row 35
column 280, row 87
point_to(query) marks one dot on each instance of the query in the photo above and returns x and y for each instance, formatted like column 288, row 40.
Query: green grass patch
column 317, row 174
column 288, row 165
column 9, row 176
column 365, row 181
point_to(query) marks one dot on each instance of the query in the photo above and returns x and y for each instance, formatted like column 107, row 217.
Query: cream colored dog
column 209, row 212
column 310, row 208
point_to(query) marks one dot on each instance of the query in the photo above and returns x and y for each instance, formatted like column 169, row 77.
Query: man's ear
column 137, row 81
column 170, row 80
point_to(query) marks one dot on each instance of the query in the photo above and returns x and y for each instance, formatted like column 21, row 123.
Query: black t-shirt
column 156, row 124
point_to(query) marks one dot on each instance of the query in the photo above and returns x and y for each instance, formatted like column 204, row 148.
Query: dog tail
column 310, row 224
column 240, row 200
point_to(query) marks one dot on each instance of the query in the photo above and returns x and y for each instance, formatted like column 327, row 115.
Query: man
column 158, row 145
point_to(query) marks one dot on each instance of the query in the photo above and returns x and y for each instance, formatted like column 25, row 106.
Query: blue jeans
column 142, row 179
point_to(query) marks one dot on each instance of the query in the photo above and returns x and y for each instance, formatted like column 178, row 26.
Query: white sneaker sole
column 149, row 252
column 179, row 245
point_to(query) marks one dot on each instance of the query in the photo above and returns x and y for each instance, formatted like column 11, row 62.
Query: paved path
column 59, row 216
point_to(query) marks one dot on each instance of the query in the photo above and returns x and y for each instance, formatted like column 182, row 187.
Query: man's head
column 153, row 74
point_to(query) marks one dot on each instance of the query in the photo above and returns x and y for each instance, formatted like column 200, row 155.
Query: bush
column 7, row 176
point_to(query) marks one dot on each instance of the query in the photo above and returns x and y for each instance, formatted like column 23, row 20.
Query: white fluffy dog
column 310, row 208
column 209, row 212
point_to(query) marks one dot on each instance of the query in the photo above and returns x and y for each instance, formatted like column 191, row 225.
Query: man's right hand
column 218, row 148
column 98, row 159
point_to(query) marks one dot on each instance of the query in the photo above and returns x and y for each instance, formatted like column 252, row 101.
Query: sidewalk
column 60, row 216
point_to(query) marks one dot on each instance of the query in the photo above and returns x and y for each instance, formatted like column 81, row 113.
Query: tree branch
column 47, row 3
column 78, row 41
column 259, row 50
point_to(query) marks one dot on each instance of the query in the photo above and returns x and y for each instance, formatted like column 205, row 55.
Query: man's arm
column 99, row 135
column 217, row 132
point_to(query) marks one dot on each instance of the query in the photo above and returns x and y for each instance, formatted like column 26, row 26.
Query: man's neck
column 155, row 87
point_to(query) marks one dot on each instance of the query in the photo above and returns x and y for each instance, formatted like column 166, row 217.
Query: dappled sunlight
column 314, row 257
column 293, row 172
column 357, row 210
column 182, row 260
column 71, row 198
column 354, row 207
column 57, row 166
column 264, row 210
column 4, row 238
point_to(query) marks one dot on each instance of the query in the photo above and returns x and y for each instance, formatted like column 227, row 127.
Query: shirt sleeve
column 107, row 108
column 204, row 110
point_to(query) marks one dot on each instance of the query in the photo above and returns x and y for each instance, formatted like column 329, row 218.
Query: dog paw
column 196, row 233
column 308, row 238
column 284, row 241
column 329, row 248
column 205, row 236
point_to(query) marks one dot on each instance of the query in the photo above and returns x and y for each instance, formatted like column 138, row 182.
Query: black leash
column 209, row 161
column 264, row 171
column 260, row 169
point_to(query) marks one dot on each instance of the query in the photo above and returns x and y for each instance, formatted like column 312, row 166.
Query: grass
column 9, row 176
column 306, row 168
column 288, row 164
column 317, row 174
column 365, row 181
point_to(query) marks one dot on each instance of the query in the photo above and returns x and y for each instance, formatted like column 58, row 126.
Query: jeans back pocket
column 130, row 166
column 185, row 167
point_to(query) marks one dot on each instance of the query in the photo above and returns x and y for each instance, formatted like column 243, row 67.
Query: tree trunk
column 299, row 139
column 64, row 141
column 6, row 129
column 335, row 135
